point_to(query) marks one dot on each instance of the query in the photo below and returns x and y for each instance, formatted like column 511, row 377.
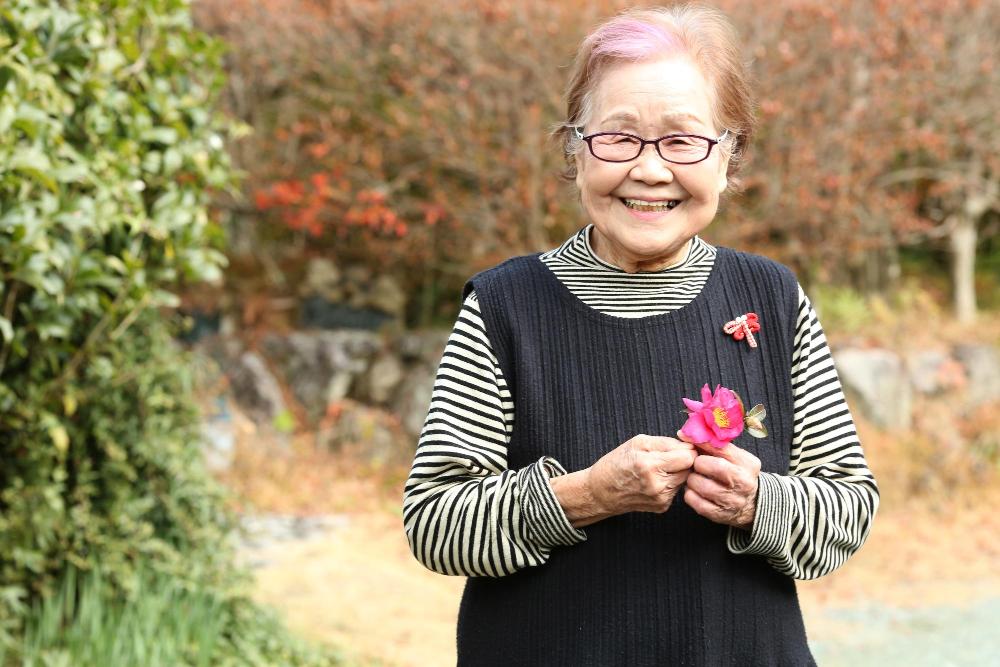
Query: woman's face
column 650, row 99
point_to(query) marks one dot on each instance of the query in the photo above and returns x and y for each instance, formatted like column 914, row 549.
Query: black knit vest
column 644, row 588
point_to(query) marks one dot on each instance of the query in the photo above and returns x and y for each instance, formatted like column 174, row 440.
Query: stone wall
column 370, row 391
column 353, row 388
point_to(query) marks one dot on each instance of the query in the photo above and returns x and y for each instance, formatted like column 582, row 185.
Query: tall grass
column 163, row 621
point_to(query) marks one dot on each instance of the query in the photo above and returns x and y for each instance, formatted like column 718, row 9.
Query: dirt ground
column 361, row 589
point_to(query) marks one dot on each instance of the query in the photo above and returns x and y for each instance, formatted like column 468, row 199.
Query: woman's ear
column 723, row 169
column 578, row 160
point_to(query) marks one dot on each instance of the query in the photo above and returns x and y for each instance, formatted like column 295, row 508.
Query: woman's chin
column 650, row 254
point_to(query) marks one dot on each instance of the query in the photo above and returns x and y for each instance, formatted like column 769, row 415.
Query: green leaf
column 6, row 329
column 71, row 173
column 160, row 135
column 35, row 164
column 59, row 437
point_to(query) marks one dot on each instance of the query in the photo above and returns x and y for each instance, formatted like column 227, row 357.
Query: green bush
column 109, row 151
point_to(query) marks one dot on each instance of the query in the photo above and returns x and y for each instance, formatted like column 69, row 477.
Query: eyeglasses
column 624, row 147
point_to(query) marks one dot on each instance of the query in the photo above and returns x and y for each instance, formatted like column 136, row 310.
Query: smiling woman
column 646, row 210
column 556, row 401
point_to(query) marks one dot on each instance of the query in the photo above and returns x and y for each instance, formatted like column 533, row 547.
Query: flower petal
column 706, row 394
column 696, row 429
column 692, row 405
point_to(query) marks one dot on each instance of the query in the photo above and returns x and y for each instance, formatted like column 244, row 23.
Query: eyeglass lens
column 622, row 148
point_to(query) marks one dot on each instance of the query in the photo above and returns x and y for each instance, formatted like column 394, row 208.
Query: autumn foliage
column 414, row 136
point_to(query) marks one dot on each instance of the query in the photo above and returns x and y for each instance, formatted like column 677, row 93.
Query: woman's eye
column 621, row 139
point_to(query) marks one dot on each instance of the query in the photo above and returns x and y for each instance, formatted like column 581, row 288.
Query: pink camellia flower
column 717, row 419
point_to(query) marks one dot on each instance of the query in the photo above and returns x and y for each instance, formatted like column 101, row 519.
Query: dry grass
column 300, row 479
column 361, row 589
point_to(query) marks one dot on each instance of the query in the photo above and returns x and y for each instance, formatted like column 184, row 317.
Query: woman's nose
column 649, row 167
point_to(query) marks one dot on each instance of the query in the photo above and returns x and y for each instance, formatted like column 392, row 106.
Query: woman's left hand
column 722, row 485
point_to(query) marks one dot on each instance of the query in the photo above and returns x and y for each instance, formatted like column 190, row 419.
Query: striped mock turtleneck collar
column 611, row 290
column 576, row 251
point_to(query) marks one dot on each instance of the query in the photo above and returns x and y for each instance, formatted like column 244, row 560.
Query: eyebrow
column 631, row 117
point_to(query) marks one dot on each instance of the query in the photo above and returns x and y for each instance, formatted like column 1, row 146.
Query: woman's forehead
column 664, row 91
column 624, row 115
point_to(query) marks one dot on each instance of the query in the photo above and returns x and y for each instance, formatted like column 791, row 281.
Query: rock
column 413, row 398
column 371, row 434
column 877, row 381
column 933, row 372
column 315, row 312
column 255, row 388
column 421, row 346
column 387, row 296
column 218, row 433
column 321, row 367
column 259, row 534
column 982, row 368
column 322, row 279
column 382, row 379
column 203, row 325
column 223, row 350
column 357, row 284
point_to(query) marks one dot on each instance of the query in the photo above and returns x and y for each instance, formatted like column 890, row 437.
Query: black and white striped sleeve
column 812, row 520
column 464, row 512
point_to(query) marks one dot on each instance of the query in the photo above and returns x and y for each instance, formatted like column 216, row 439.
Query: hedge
column 109, row 153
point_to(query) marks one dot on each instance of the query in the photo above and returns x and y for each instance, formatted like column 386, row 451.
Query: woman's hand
column 722, row 486
column 640, row 475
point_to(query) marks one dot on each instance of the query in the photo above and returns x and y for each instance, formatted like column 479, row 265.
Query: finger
column 726, row 452
column 675, row 461
column 730, row 453
column 666, row 443
column 715, row 467
column 661, row 443
column 670, row 483
column 708, row 488
column 700, row 505
column 700, row 446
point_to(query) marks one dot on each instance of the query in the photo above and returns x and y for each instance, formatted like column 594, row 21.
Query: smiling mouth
column 648, row 206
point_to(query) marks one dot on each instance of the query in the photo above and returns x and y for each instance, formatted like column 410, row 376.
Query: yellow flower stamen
column 721, row 418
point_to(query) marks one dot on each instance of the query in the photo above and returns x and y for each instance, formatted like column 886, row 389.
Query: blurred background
column 285, row 198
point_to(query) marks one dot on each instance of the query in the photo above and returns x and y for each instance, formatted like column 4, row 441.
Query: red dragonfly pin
column 743, row 327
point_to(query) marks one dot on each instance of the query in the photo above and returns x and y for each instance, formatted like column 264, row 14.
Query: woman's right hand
column 642, row 474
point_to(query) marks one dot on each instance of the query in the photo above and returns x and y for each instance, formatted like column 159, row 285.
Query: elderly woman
column 558, row 400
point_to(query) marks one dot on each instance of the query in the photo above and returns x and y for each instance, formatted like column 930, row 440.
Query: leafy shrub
column 108, row 150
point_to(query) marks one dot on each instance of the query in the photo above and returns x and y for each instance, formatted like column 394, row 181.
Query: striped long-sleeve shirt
column 466, row 513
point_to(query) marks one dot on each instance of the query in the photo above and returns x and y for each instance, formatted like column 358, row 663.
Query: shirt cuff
column 772, row 523
column 545, row 518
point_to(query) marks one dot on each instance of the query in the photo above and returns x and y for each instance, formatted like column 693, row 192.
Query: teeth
column 640, row 205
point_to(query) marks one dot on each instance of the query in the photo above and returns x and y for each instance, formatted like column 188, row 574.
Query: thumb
column 730, row 452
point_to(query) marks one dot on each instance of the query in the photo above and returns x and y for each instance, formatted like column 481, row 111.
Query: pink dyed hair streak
column 627, row 38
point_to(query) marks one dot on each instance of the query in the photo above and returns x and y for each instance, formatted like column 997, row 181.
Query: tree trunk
column 963, row 266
